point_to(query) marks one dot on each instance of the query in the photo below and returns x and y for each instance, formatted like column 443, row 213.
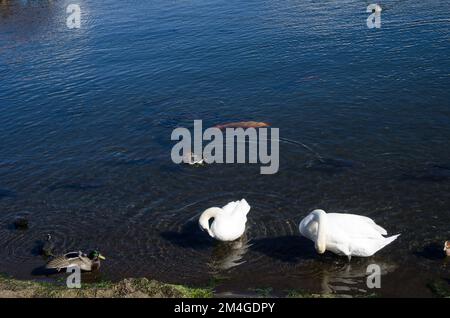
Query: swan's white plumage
column 229, row 221
column 345, row 234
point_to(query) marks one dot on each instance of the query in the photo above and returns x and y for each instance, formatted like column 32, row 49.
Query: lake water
column 86, row 116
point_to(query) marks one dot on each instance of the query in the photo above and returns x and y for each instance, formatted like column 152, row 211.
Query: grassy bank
column 145, row 288
column 126, row 288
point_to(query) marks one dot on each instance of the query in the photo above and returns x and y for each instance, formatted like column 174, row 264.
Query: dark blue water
column 86, row 116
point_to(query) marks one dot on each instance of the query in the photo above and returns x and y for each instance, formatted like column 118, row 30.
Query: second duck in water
column 48, row 247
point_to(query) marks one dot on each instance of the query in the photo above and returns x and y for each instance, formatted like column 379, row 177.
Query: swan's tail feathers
column 388, row 240
column 382, row 231
column 376, row 227
column 392, row 238
column 244, row 207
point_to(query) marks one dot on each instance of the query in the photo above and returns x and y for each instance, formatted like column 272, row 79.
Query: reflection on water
column 351, row 278
column 228, row 255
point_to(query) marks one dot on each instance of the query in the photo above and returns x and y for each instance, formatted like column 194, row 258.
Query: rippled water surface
column 86, row 117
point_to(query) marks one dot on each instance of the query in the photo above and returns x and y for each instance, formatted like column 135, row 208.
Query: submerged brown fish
column 447, row 248
column 244, row 124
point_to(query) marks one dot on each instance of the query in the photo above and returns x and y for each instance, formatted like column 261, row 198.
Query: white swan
column 229, row 221
column 344, row 234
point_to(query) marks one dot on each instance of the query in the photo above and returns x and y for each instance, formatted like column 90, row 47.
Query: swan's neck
column 321, row 241
column 206, row 216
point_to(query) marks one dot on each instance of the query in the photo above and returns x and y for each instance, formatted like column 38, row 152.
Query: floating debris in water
column 243, row 124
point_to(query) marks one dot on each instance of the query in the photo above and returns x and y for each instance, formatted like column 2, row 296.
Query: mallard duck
column 344, row 234
column 229, row 221
column 447, row 248
column 85, row 262
column 48, row 247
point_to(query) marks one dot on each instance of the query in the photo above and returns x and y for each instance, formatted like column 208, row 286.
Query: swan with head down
column 229, row 221
column 344, row 234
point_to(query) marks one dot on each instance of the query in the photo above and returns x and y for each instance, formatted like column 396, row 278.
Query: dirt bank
column 126, row 288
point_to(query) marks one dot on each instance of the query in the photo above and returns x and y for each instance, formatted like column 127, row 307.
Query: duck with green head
column 86, row 262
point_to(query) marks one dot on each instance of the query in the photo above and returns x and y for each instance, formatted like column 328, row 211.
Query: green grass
column 134, row 287
column 263, row 292
column 189, row 292
column 439, row 288
column 298, row 293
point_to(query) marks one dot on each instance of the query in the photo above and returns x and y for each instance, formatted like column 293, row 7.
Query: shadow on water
column 190, row 236
column 291, row 248
column 432, row 251
column 42, row 271
column 56, row 276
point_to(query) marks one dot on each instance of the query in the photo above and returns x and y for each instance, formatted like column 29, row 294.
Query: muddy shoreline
column 149, row 288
